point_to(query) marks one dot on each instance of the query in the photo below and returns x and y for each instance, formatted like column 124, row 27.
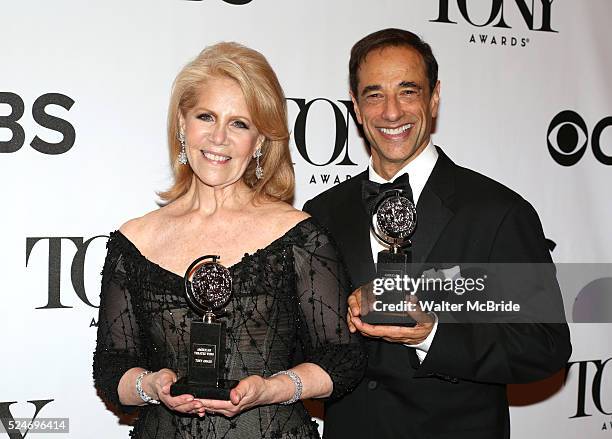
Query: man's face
column 395, row 106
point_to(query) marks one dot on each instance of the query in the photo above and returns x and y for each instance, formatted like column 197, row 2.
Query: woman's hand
column 160, row 383
column 255, row 391
column 250, row 392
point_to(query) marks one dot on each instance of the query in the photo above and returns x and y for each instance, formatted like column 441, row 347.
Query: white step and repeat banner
column 84, row 87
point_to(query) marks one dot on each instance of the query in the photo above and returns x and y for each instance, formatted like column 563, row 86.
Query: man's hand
column 393, row 334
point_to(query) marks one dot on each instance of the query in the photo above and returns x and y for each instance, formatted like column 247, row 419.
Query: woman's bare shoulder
column 141, row 230
column 284, row 215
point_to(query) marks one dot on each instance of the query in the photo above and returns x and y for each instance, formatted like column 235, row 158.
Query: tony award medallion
column 208, row 288
column 393, row 221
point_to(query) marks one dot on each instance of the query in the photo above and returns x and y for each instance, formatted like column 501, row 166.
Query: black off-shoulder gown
column 288, row 307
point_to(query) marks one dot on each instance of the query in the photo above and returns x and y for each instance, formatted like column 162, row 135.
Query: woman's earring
column 258, row 169
column 182, row 156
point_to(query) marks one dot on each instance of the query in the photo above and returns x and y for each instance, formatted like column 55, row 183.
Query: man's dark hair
column 391, row 38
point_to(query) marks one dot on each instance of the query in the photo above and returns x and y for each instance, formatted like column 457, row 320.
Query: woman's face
column 220, row 136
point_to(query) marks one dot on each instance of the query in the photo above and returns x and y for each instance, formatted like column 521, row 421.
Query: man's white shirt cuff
column 423, row 347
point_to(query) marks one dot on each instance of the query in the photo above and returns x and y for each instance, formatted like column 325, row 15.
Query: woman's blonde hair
column 266, row 102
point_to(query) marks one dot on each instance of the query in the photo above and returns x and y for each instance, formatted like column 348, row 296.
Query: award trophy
column 393, row 221
column 208, row 287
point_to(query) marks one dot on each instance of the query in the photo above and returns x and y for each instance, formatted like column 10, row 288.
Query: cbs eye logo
column 568, row 138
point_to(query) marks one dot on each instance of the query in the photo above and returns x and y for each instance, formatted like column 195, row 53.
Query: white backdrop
column 106, row 69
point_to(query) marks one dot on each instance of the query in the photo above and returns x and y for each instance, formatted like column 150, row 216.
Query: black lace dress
column 288, row 307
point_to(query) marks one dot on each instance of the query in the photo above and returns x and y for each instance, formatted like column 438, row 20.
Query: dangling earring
column 258, row 169
column 182, row 155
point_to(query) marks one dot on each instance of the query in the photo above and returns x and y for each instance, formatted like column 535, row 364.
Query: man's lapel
column 433, row 212
column 355, row 232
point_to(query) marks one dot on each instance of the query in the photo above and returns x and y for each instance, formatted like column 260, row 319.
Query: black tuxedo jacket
column 459, row 391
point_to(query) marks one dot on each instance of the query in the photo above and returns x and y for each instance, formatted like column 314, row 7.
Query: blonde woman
column 228, row 138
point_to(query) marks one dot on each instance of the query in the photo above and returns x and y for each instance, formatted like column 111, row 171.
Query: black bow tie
column 372, row 192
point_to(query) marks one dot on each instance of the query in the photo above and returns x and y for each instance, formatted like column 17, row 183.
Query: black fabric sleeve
column 505, row 352
column 323, row 286
column 117, row 346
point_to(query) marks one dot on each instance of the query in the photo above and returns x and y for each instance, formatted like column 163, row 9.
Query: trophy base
column 389, row 319
column 403, row 257
column 391, row 265
column 203, row 391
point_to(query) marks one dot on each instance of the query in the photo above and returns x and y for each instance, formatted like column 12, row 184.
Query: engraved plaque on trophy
column 208, row 288
column 393, row 221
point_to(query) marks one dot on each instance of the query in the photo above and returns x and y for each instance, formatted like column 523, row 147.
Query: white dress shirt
column 419, row 169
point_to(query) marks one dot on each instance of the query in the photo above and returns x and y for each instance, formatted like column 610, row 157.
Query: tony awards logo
column 208, row 288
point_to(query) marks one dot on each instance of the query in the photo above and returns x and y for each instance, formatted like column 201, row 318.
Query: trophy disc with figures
column 393, row 221
column 208, row 288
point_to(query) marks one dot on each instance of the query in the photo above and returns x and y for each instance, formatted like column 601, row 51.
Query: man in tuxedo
column 436, row 379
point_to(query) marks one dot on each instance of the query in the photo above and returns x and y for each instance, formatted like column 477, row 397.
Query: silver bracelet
column 297, row 382
column 143, row 395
